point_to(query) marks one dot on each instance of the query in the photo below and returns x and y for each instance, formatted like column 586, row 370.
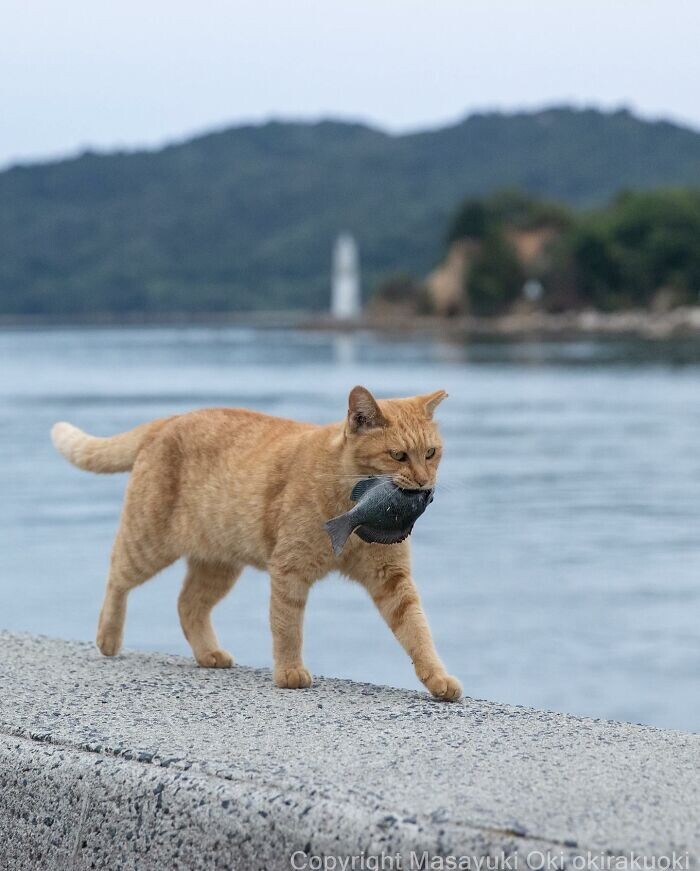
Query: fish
column 384, row 514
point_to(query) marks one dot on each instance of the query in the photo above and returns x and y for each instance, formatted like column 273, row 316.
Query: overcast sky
column 101, row 74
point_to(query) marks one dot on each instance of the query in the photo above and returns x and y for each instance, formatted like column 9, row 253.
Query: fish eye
column 399, row 456
column 430, row 453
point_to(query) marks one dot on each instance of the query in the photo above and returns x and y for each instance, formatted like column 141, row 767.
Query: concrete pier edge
column 146, row 761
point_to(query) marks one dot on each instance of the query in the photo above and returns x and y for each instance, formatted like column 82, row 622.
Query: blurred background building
column 346, row 299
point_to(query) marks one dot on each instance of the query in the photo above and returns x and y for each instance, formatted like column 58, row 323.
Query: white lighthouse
column 345, row 280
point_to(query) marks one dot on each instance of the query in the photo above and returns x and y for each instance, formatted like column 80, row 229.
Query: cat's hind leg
column 205, row 585
column 134, row 561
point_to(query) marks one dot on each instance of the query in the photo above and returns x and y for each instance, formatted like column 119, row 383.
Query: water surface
column 559, row 564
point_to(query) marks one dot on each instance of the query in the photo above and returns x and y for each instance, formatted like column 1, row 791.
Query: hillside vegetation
column 512, row 251
column 245, row 218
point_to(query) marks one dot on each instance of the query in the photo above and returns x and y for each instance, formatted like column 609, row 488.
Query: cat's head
column 394, row 437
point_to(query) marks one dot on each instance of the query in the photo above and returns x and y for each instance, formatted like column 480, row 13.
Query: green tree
column 496, row 278
column 642, row 244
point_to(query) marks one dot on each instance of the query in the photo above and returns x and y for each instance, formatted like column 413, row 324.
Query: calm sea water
column 559, row 563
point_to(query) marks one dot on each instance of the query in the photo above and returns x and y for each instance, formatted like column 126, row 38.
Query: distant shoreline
column 678, row 322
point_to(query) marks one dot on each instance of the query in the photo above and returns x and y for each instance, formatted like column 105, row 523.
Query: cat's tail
column 115, row 454
column 340, row 529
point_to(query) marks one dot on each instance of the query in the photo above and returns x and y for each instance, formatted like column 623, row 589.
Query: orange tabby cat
column 227, row 488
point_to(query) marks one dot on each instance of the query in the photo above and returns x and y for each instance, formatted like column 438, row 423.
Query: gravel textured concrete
column 146, row 761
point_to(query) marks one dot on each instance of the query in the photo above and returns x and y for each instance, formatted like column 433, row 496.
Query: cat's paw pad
column 445, row 687
column 293, row 678
column 215, row 659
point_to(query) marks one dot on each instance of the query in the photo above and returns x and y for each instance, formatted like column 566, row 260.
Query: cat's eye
column 430, row 453
column 399, row 456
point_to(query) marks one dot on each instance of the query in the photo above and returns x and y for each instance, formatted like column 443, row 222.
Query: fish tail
column 340, row 529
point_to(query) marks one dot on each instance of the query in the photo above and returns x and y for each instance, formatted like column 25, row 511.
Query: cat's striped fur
column 225, row 488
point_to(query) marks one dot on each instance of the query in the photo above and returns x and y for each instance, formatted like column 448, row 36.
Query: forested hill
column 245, row 218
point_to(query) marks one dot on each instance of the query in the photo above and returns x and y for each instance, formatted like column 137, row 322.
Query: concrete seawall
column 147, row 762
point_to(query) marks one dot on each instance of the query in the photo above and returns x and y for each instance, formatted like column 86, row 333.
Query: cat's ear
column 430, row 401
column 363, row 411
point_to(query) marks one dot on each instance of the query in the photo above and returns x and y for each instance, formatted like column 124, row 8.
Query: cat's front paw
column 293, row 678
column 108, row 642
column 444, row 686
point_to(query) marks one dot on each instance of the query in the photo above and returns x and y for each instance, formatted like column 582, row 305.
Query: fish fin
column 339, row 529
column 359, row 490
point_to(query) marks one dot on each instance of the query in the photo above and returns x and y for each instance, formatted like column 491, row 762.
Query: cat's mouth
column 405, row 484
